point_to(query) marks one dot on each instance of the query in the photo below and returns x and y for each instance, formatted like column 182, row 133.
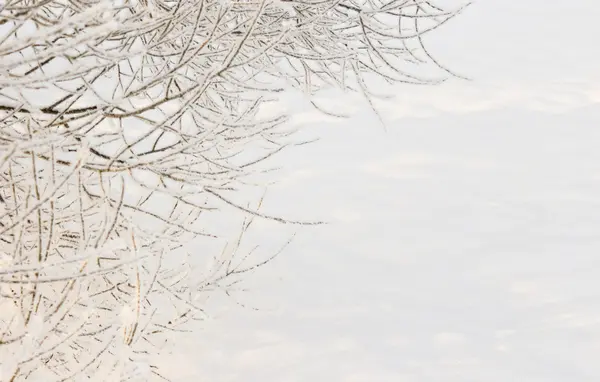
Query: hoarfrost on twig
column 126, row 125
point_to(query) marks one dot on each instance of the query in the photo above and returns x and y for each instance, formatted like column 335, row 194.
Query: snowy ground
column 464, row 242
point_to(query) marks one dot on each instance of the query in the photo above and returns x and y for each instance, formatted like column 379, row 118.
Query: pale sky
column 464, row 242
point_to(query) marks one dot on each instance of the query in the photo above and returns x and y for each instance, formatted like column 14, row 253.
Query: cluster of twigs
column 123, row 124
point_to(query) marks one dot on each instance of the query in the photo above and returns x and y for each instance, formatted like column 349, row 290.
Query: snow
column 463, row 242
column 463, row 238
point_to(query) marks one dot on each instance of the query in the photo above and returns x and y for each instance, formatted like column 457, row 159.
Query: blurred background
column 463, row 241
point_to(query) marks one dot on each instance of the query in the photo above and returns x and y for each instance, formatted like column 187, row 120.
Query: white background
column 464, row 241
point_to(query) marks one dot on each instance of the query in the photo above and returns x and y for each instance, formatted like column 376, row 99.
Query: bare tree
column 124, row 124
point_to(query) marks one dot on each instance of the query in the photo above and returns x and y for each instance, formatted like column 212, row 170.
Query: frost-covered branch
column 125, row 124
